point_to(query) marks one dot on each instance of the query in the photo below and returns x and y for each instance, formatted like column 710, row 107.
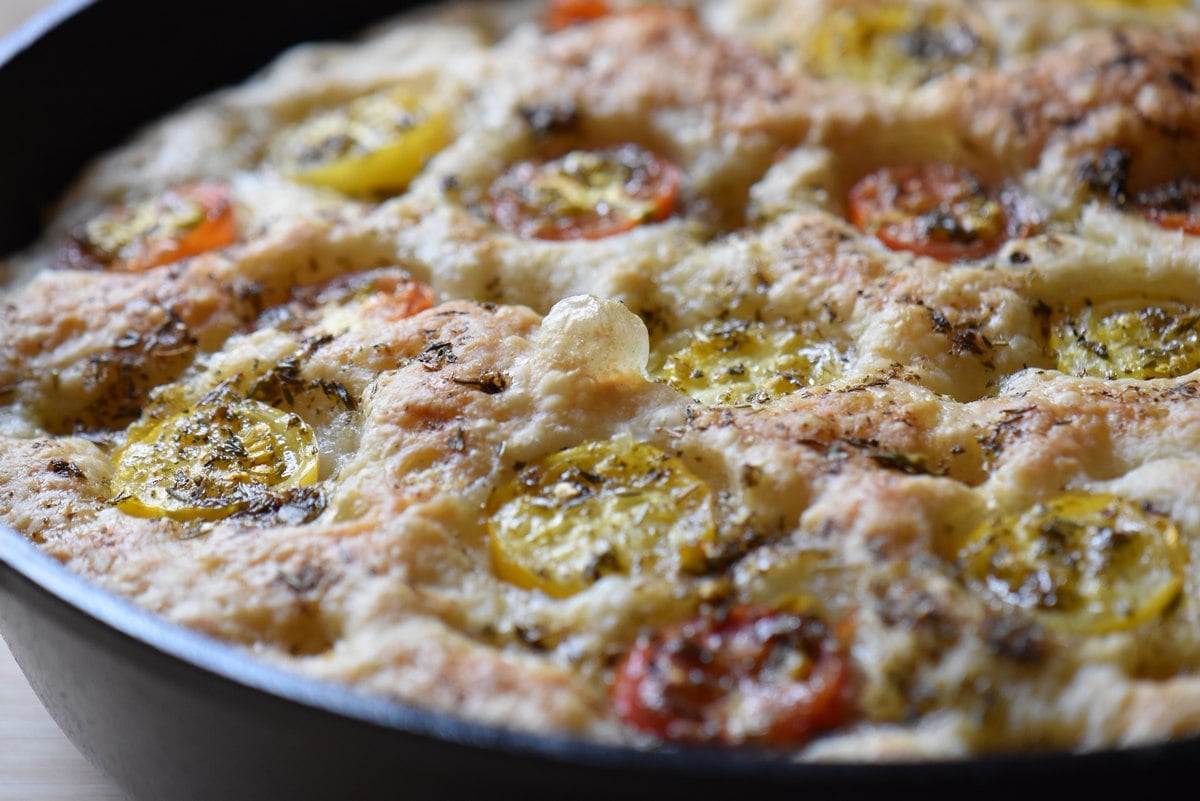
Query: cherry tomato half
column 373, row 145
column 732, row 676
column 382, row 299
column 565, row 13
column 179, row 223
column 1090, row 563
column 1128, row 339
column 212, row 460
column 585, row 194
column 935, row 210
column 895, row 42
column 612, row 506
column 744, row 361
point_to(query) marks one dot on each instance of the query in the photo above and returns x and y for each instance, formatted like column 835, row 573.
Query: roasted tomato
column 373, row 145
column 179, row 223
column 381, row 300
column 565, row 13
column 1123, row 340
column 740, row 361
column 1082, row 562
column 935, row 210
column 892, row 42
column 736, row 676
column 219, row 457
column 585, row 194
column 604, row 507
column 1174, row 205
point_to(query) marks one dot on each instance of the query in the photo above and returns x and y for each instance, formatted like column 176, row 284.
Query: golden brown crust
column 440, row 364
column 1137, row 84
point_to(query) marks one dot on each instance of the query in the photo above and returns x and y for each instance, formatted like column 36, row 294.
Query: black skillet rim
column 1139, row 766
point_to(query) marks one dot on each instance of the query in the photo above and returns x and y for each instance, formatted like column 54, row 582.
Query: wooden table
column 37, row 763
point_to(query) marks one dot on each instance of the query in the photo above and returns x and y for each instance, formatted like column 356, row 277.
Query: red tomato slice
column 783, row 676
column 177, row 224
column 565, row 13
column 585, row 194
column 935, row 210
column 1174, row 206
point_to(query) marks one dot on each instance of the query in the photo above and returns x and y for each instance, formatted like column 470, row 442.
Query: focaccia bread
column 806, row 375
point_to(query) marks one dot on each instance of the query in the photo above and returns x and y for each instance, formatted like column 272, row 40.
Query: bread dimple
column 442, row 363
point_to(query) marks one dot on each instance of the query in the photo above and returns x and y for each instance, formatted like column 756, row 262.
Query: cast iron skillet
column 174, row 716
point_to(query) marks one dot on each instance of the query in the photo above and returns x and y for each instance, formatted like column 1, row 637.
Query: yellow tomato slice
column 599, row 508
column 1123, row 340
column 695, row 680
column 1174, row 205
column 562, row 14
column 1082, row 562
column 741, row 361
column 889, row 42
column 373, row 145
column 213, row 460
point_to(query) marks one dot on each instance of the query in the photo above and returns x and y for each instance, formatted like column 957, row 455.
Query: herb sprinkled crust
column 806, row 375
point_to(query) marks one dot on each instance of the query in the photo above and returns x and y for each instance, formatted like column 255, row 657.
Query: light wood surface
column 13, row 12
column 38, row 763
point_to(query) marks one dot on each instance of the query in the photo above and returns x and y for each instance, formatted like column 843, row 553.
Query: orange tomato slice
column 585, row 194
column 213, row 460
column 935, row 210
column 175, row 225
column 565, row 13
column 1082, row 562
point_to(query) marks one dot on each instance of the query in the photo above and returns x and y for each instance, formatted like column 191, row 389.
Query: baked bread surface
column 442, row 362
